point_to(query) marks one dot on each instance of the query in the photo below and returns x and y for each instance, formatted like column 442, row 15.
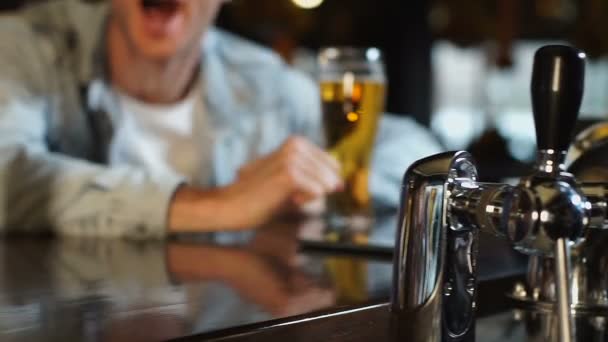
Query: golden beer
column 351, row 110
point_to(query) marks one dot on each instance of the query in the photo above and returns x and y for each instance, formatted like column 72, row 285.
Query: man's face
column 159, row 29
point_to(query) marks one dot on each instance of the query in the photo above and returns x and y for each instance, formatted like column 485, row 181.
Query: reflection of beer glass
column 352, row 93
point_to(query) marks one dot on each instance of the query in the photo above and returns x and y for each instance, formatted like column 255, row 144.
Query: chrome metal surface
column 597, row 195
column 541, row 216
column 525, row 302
column 589, row 139
column 434, row 282
column 559, row 210
column 591, row 165
column 439, row 300
column 532, row 325
column 588, row 162
column 550, row 162
column 564, row 318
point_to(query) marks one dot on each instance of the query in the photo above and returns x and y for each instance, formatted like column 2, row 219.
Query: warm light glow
column 352, row 116
column 357, row 92
column 308, row 4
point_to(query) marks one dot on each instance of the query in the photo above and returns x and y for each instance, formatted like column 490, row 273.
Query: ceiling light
column 307, row 4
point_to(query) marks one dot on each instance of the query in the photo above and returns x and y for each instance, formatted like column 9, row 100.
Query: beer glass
column 352, row 86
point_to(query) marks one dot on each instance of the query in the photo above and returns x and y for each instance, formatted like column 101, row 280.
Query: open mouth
column 162, row 17
column 161, row 7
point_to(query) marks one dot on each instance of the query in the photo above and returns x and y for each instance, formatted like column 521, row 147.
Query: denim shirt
column 57, row 117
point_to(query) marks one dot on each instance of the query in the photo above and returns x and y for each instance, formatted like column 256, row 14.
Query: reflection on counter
column 116, row 290
column 496, row 258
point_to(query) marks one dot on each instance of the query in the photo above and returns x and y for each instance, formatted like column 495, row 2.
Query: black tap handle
column 558, row 79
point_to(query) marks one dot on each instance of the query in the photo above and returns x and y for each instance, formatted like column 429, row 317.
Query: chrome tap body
column 444, row 206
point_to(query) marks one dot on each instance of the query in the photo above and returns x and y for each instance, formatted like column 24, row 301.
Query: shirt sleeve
column 400, row 141
column 42, row 190
column 304, row 100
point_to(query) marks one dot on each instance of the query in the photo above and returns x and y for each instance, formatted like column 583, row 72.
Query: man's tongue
column 159, row 14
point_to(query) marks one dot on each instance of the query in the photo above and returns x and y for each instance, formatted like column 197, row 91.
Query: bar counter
column 290, row 279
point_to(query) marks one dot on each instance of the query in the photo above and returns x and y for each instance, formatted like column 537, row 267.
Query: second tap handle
column 557, row 88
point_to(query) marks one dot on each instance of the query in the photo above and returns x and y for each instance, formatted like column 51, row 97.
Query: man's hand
column 297, row 173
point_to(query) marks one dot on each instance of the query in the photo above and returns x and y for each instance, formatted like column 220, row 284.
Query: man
column 139, row 119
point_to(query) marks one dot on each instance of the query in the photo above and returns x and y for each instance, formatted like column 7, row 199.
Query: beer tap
column 444, row 206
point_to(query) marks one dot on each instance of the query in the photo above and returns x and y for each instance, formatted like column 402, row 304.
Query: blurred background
column 460, row 67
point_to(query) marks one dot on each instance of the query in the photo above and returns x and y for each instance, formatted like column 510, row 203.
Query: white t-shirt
column 163, row 139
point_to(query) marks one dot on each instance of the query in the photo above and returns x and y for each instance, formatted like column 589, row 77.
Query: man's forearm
column 196, row 210
column 183, row 262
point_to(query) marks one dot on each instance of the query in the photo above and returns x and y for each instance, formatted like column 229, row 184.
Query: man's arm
column 41, row 189
column 295, row 174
